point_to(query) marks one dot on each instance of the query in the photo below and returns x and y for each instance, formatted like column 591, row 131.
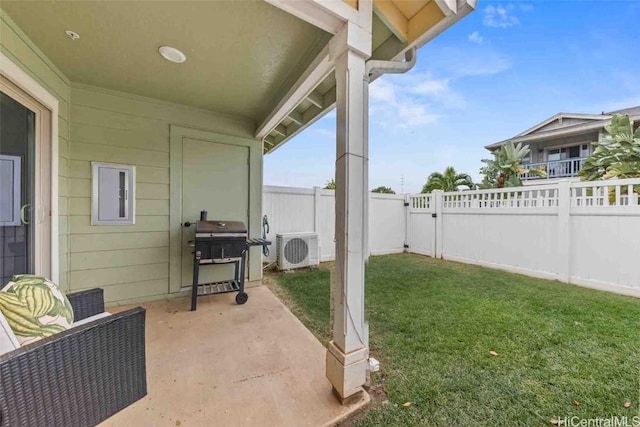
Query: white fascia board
column 448, row 7
column 321, row 67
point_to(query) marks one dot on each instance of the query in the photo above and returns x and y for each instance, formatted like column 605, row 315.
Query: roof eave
column 569, row 131
column 302, row 89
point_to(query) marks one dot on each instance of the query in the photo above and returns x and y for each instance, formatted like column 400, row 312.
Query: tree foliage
column 383, row 189
column 505, row 168
column 617, row 155
column 330, row 185
column 450, row 180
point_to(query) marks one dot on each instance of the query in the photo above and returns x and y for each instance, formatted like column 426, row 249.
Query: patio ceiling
column 239, row 53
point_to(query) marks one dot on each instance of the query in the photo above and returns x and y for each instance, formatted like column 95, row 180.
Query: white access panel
column 113, row 194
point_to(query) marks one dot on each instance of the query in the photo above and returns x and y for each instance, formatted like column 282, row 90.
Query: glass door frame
column 15, row 83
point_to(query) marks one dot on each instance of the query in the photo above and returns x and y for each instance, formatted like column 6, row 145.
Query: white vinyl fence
column 582, row 233
column 292, row 210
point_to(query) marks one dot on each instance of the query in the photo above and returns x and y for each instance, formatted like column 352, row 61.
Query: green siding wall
column 17, row 46
column 95, row 124
column 129, row 262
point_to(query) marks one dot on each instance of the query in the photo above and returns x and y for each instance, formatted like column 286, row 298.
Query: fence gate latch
column 434, row 215
column 406, row 246
column 406, row 203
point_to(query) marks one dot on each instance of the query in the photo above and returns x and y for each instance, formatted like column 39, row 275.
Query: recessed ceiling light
column 172, row 54
column 72, row 35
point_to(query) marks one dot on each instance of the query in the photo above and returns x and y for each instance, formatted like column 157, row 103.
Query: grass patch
column 562, row 350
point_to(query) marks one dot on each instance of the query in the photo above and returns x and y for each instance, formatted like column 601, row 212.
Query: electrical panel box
column 113, row 196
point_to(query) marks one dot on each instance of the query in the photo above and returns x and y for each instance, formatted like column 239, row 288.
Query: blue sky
column 501, row 70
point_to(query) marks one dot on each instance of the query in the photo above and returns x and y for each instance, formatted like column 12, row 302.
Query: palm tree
column 617, row 155
column 330, row 185
column 505, row 168
column 450, row 180
column 383, row 189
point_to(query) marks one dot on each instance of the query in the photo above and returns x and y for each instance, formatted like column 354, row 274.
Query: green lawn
column 562, row 350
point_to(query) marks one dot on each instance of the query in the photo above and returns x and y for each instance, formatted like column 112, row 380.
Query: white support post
column 316, row 209
column 407, row 223
column 316, row 217
column 437, row 204
column 347, row 353
column 564, row 230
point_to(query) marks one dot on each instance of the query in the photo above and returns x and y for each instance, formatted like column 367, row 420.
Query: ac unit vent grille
column 296, row 250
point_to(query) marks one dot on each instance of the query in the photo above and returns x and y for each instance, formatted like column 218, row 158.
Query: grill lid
column 221, row 227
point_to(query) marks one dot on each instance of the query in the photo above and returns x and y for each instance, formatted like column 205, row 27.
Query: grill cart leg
column 194, row 288
column 242, row 297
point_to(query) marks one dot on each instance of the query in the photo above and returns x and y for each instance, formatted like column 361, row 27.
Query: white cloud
column 458, row 62
column 438, row 92
column 526, row 7
column 392, row 103
column 413, row 114
column 499, row 17
column 430, row 86
column 382, row 90
column 329, row 133
column 475, row 37
column 416, row 99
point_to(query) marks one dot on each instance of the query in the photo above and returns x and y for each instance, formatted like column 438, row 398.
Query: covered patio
column 232, row 365
column 182, row 100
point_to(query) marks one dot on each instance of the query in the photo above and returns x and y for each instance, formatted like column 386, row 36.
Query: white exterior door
column 215, row 178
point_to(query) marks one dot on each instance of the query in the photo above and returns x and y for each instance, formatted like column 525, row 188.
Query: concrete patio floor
column 230, row 365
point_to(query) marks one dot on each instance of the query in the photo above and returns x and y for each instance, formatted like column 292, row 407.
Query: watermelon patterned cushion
column 35, row 308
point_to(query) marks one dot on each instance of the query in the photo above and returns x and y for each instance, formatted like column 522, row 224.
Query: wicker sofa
column 79, row 377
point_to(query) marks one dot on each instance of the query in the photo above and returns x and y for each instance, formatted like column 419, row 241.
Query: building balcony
column 566, row 168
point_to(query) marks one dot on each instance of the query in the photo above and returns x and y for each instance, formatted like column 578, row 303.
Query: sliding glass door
column 17, row 188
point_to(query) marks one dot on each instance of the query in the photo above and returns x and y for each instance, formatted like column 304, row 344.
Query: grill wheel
column 241, row 298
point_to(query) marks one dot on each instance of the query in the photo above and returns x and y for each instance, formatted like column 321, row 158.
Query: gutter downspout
column 375, row 68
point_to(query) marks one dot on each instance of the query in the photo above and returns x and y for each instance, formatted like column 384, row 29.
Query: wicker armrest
column 79, row 377
column 86, row 303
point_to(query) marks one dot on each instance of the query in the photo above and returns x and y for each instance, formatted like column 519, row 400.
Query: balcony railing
column 555, row 169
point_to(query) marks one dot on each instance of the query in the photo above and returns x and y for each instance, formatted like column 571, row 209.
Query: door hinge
column 434, row 215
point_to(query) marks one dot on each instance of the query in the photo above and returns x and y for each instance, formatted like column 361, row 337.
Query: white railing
column 420, row 201
column 605, row 193
column 519, row 197
column 554, row 169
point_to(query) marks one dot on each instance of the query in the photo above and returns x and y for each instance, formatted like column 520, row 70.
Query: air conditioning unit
column 296, row 250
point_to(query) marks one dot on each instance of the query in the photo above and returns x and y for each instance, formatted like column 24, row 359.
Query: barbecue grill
column 220, row 242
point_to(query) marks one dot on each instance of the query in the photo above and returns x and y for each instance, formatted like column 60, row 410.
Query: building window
column 585, row 150
column 556, row 154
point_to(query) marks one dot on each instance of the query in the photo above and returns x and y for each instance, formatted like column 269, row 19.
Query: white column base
column 346, row 372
